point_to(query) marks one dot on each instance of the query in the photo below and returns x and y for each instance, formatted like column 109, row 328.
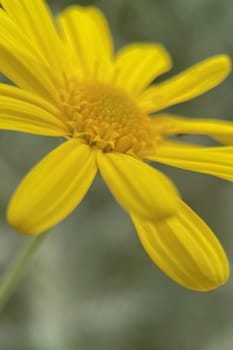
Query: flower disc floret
column 107, row 118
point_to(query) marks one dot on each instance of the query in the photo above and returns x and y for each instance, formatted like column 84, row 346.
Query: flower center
column 107, row 118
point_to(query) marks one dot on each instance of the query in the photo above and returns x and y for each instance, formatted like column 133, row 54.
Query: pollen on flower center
column 107, row 118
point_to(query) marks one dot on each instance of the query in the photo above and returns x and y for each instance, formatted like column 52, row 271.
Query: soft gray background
column 91, row 286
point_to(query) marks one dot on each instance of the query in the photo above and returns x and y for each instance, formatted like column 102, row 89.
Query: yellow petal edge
column 185, row 249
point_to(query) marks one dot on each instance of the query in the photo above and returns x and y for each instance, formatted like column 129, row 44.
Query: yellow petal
column 224, row 138
column 28, row 116
column 187, row 85
column 36, row 21
column 217, row 161
column 14, row 36
column 138, row 65
column 53, row 188
column 185, row 249
column 27, row 96
column 138, row 187
column 24, row 71
column 86, row 33
column 101, row 30
column 169, row 124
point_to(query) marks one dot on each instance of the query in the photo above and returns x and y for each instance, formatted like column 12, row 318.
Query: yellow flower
column 70, row 83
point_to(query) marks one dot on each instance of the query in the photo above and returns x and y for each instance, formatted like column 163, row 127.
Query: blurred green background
column 91, row 286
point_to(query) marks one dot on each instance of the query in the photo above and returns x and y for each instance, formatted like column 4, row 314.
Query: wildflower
column 69, row 83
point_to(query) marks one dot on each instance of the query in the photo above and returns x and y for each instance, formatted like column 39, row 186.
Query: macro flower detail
column 69, row 83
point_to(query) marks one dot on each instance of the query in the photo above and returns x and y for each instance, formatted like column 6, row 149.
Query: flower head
column 68, row 82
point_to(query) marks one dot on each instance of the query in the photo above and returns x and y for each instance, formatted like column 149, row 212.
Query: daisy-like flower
column 69, row 83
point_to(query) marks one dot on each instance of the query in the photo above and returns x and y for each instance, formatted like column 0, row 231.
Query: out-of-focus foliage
column 91, row 286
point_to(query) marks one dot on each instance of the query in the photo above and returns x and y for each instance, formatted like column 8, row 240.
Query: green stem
column 15, row 271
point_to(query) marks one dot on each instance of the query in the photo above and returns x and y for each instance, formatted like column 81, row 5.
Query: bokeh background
column 91, row 286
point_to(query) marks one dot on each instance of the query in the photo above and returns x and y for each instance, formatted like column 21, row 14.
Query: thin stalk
column 12, row 276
